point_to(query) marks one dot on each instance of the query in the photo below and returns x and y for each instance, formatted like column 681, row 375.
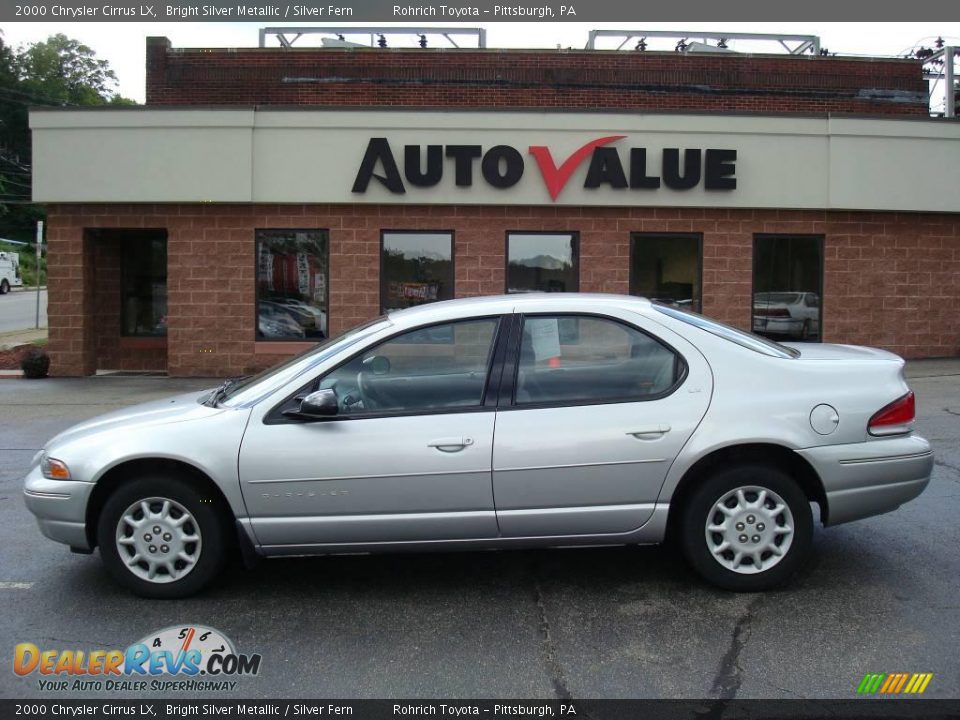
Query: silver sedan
column 500, row 422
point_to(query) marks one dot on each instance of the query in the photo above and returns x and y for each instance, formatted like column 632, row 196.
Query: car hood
column 827, row 351
column 179, row 408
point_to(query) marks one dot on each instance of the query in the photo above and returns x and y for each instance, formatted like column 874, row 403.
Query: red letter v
column 556, row 177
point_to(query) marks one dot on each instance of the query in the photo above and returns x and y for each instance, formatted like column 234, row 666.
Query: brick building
column 265, row 198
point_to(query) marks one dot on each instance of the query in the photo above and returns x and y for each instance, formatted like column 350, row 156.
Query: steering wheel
column 366, row 397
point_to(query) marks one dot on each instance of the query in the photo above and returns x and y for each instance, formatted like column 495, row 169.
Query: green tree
column 65, row 71
column 58, row 72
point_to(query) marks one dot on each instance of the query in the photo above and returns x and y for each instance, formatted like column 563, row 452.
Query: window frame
column 698, row 236
column 256, row 284
column 495, row 364
column 575, row 239
column 383, row 275
column 145, row 234
column 821, row 248
column 506, row 399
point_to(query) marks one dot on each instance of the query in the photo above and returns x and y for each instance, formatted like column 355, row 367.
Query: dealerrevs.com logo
column 609, row 167
column 177, row 658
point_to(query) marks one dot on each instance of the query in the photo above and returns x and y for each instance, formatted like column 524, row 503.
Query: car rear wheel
column 747, row 528
column 4, row 287
column 161, row 537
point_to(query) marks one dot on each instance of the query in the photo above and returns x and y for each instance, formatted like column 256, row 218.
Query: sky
column 123, row 44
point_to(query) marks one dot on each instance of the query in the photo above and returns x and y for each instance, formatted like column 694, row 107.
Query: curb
column 11, row 374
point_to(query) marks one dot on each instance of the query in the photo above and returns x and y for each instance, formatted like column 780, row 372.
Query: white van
column 9, row 272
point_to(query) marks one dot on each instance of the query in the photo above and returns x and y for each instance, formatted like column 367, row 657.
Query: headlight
column 54, row 469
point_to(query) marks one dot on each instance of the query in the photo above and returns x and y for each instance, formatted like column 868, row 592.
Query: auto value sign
column 610, row 167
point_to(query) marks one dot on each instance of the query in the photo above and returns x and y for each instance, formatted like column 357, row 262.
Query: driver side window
column 439, row 367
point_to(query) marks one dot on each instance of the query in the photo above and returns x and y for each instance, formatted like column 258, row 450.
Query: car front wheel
column 161, row 537
column 747, row 528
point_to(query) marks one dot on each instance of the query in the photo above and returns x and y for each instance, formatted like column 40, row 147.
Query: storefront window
column 787, row 286
column 417, row 268
column 143, row 275
column 293, row 271
column 666, row 268
column 542, row 262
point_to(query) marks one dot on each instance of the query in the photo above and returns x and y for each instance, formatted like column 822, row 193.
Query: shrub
column 35, row 364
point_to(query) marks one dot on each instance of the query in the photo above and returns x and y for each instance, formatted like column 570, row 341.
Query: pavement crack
column 729, row 675
column 557, row 677
column 952, row 412
column 949, row 466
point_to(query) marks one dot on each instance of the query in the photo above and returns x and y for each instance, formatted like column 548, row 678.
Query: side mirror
column 376, row 364
column 316, row 406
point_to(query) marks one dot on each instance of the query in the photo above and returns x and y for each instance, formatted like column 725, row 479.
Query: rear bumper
column 871, row 478
column 60, row 507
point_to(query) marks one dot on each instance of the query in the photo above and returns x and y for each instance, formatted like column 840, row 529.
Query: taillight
column 894, row 418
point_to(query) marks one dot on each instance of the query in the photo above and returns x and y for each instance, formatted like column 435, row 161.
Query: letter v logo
column 556, row 177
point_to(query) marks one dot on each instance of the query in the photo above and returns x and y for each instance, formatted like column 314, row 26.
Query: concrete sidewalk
column 22, row 337
column 934, row 367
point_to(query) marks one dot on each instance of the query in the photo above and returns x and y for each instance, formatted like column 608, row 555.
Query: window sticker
column 544, row 337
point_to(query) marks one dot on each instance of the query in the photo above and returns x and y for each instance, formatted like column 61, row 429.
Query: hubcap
column 749, row 530
column 147, row 521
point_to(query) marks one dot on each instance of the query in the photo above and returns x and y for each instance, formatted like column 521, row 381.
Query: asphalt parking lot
column 880, row 595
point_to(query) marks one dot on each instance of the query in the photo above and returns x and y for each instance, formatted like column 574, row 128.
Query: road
column 880, row 595
column 18, row 310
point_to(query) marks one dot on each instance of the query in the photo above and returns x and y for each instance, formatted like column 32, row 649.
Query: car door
column 594, row 413
column 406, row 458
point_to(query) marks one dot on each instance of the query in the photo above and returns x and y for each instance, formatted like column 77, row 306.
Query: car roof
column 517, row 302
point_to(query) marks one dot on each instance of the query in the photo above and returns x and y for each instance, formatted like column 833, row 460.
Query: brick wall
column 890, row 278
column 571, row 79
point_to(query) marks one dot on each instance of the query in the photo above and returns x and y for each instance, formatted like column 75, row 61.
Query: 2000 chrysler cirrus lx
column 514, row 421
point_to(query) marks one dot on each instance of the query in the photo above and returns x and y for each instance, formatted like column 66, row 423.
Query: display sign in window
column 293, row 271
column 416, row 268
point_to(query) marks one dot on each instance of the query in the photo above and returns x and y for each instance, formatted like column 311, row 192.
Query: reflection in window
column 596, row 360
column 144, row 283
column 787, row 274
column 292, row 276
column 417, row 269
column 666, row 268
column 413, row 372
column 545, row 262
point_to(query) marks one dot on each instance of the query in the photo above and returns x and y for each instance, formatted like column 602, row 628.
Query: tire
column 774, row 554
column 4, row 287
column 203, row 537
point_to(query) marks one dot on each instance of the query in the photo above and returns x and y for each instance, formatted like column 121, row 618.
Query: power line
column 37, row 97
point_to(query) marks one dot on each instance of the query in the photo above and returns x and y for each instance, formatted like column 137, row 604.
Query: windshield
column 727, row 332
column 250, row 390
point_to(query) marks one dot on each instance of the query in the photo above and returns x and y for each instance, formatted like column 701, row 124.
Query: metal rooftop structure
column 709, row 41
column 941, row 65
column 287, row 36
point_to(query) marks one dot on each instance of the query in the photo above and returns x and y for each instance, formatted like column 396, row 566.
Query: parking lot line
column 12, row 585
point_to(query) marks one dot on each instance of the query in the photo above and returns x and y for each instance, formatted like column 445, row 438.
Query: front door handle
column 450, row 444
column 651, row 432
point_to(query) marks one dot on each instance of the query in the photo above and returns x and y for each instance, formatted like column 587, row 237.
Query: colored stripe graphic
column 894, row 683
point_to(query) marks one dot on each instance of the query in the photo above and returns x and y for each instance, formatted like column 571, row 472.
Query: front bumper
column 60, row 507
column 871, row 478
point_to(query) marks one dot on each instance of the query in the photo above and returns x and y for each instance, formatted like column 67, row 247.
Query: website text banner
column 477, row 12
column 160, row 709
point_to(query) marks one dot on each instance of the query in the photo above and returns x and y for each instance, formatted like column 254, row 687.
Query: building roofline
column 472, row 110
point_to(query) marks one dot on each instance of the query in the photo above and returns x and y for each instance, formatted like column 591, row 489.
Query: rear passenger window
column 581, row 359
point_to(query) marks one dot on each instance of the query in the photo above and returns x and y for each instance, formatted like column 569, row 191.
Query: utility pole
column 39, row 255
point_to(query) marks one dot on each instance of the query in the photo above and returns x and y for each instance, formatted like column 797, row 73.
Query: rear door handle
column 450, row 444
column 651, row 432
